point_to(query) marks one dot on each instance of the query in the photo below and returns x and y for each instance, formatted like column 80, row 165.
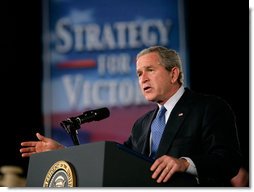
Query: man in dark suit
column 200, row 134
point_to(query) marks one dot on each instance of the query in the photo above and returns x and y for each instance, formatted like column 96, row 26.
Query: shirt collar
column 171, row 102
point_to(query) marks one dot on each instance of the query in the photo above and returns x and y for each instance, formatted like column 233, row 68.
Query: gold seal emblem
column 60, row 174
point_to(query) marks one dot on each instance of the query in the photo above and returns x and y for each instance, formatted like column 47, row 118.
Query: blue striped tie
column 157, row 129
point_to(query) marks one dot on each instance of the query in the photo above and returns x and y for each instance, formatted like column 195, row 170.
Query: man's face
column 154, row 80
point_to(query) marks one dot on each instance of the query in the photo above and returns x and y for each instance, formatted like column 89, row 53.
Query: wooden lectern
column 99, row 164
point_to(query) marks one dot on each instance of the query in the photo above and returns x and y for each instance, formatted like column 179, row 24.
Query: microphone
column 72, row 124
column 87, row 116
column 92, row 115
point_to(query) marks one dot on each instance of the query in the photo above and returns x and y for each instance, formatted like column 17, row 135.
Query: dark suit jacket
column 200, row 127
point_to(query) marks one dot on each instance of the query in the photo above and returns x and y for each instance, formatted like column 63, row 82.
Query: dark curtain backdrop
column 217, row 39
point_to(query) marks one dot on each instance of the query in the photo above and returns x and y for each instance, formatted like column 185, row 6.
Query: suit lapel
column 174, row 122
column 146, row 146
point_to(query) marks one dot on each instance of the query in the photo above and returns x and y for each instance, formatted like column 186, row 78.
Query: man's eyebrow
column 148, row 66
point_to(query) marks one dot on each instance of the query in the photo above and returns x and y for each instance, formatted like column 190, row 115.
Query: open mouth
column 147, row 88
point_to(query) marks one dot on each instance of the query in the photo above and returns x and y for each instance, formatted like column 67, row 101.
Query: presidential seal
column 60, row 174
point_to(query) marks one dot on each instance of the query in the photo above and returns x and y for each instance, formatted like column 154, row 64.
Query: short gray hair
column 169, row 58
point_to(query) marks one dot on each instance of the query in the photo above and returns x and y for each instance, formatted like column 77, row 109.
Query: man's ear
column 174, row 74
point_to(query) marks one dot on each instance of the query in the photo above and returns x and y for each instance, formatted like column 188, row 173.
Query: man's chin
column 151, row 99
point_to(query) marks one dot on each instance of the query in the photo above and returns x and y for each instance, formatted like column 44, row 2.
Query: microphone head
column 101, row 113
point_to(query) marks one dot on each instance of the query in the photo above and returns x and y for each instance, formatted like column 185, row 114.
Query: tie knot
column 162, row 111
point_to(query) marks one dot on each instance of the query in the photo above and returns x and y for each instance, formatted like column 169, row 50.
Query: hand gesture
column 44, row 144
